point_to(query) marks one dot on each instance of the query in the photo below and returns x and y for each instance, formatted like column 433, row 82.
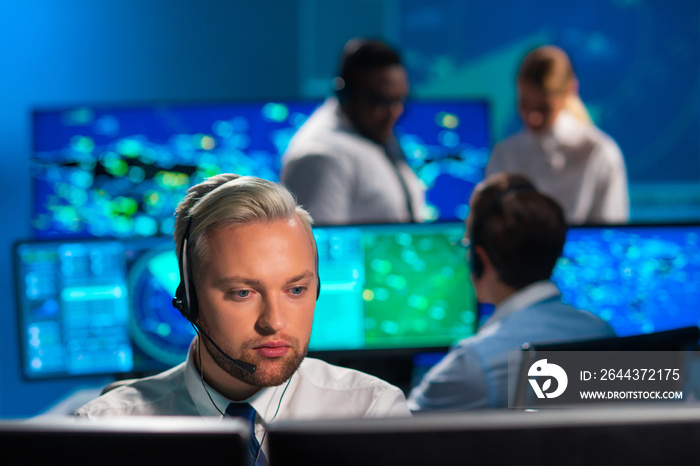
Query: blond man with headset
column 249, row 284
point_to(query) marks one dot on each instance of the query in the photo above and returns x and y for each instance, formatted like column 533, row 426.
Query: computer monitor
column 126, row 440
column 103, row 306
column 620, row 436
column 98, row 306
column 639, row 278
column 393, row 286
column 101, row 171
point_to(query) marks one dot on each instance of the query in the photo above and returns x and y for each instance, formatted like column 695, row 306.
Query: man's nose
column 272, row 318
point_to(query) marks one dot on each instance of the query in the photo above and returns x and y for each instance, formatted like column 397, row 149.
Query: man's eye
column 297, row 290
column 242, row 293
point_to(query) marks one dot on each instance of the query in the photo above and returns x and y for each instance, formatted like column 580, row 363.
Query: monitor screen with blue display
column 640, row 279
column 104, row 306
column 120, row 172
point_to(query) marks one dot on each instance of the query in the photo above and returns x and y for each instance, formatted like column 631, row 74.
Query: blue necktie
column 246, row 412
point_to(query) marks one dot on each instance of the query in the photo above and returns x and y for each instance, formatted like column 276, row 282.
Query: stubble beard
column 265, row 374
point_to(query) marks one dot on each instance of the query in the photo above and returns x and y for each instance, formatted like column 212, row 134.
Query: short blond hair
column 227, row 200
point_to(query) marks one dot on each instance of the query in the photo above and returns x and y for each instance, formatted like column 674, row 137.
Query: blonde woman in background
column 560, row 148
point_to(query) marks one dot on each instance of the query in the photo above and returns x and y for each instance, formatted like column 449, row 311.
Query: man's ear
column 483, row 260
column 486, row 281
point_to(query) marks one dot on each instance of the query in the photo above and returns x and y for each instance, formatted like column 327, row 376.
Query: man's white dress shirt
column 317, row 390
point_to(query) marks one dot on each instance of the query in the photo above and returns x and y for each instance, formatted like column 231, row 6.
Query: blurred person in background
column 559, row 148
column 344, row 165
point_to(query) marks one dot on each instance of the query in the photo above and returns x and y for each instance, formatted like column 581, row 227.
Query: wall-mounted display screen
column 120, row 172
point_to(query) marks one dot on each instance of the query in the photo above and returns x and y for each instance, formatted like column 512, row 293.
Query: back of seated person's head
column 520, row 229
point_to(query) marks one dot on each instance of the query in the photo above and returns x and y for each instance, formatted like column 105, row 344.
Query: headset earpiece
column 342, row 93
column 185, row 299
column 179, row 302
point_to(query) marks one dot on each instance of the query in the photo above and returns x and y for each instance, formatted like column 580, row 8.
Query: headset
column 186, row 301
column 341, row 87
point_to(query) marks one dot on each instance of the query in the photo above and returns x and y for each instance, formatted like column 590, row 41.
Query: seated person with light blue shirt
column 516, row 235
column 249, row 284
